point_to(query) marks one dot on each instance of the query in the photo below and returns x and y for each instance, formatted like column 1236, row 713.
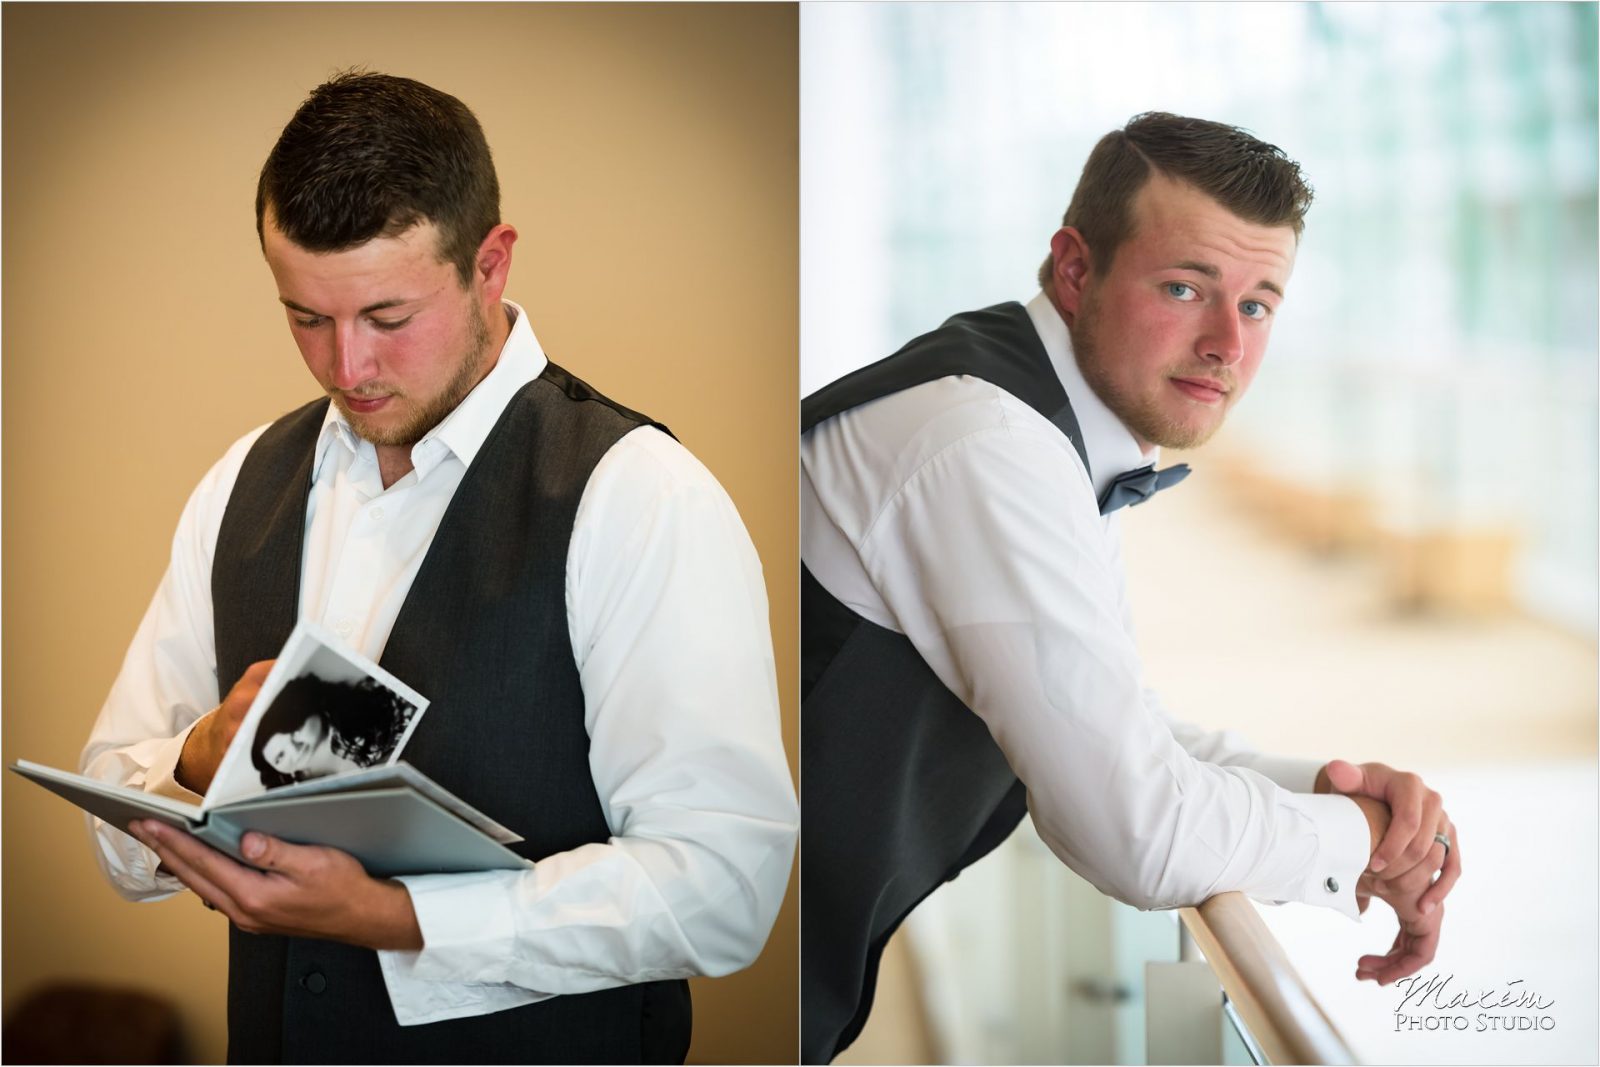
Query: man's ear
column 1070, row 270
column 492, row 266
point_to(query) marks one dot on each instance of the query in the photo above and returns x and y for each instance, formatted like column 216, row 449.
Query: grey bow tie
column 1137, row 486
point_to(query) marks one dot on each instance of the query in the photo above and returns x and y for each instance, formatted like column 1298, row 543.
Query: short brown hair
column 371, row 155
column 1254, row 180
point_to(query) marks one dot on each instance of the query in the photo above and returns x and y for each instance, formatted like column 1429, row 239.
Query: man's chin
column 1187, row 437
column 382, row 430
column 1175, row 433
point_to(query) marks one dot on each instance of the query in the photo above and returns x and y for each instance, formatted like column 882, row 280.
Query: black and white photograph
column 317, row 727
column 323, row 710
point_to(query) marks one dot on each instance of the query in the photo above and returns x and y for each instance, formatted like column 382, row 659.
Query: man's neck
column 394, row 463
column 1050, row 294
column 1145, row 447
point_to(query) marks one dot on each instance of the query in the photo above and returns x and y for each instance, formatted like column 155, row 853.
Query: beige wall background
column 648, row 157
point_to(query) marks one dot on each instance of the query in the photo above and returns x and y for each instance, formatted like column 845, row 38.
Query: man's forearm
column 391, row 921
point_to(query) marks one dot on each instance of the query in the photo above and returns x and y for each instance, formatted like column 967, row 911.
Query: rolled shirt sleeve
column 168, row 680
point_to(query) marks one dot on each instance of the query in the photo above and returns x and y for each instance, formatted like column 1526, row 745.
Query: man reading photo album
column 566, row 584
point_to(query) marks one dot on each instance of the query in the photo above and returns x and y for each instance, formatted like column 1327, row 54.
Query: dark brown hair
column 365, row 718
column 1249, row 177
column 371, row 155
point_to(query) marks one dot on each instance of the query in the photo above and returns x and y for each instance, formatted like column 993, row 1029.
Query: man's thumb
column 255, row 847
column 1345, row 777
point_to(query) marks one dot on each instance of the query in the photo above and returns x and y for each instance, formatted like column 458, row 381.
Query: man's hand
column 1417, row 813
column 1407, row 893
column 300, row 890
column 211, row 736
column 1414, row 946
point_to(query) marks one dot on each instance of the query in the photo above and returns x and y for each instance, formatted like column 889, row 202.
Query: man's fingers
column 1448, row 874
column 1404, row 820
column 244, row 691
column 1419, row 952
column 1368, row 966
column 178, row 848
column 1417, row 848
column 1414, row 947
column 1404, row 891
column 266, row 853
column 1345, row 777
column 254, row 675
column 1415, row 810
column 1399, row 969
column 210, row 893
column 1402, row 960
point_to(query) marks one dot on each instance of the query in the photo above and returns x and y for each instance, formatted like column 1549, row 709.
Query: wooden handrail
column 1268, row 993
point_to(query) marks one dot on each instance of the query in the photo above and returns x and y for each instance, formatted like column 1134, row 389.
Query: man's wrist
column 395, row 925
column 1377, row 813
column 183, row 770
column 194, row 755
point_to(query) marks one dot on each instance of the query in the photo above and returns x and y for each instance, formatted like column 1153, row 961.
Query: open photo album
column 317, row 761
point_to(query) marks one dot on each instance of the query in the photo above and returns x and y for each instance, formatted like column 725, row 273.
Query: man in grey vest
column 967, row 651
column 574, row 593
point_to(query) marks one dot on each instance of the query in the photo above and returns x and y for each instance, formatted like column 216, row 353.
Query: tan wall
column 647, row 155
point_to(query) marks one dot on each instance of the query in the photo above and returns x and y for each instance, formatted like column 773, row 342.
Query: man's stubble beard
column 1141, row 415
column 432, row 413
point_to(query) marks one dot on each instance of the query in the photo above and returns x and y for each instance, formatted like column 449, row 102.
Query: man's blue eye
column 1177, row 289
column 1255, row 309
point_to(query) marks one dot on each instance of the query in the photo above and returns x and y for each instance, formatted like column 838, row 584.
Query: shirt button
column 377, row 513
column 314, row 982
column 344, row 627
column 1331, row 885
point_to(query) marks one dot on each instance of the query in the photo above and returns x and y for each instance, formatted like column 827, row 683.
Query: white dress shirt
column 667, row 614
column 954, row 513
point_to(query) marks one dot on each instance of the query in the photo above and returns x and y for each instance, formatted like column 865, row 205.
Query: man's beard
column 1142, row 415
column 429, row 414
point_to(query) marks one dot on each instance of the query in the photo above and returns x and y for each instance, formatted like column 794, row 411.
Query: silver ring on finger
column 1443, row 839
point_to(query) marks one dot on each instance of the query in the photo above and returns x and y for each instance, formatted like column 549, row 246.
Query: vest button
column 314, row 982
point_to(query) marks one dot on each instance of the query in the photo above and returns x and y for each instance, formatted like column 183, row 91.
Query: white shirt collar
column 462, row 432
column 1111, row 446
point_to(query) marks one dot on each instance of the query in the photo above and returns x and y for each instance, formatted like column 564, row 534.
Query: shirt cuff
column 1344, row 846
column 1293, row 773
column 161, row 777
column 467, row 925
column 132, row 867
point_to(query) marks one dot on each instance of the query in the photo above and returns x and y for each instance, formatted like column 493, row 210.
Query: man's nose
column 1223, row 340
column 352, row 357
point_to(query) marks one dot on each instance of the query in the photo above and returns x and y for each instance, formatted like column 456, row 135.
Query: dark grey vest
column 902, row 785
column 482, row 634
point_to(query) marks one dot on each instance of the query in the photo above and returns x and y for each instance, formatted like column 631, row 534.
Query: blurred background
column 1397, row 530
column 647, row 156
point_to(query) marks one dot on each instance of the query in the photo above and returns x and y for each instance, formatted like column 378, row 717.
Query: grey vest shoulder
column 903, row 786
column 483, row 634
